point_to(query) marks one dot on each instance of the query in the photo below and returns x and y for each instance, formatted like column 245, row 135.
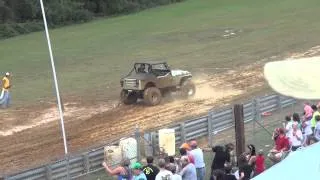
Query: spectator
column 317, row 129
column 288, row 125
column 230, row 150
column 260, row 165
column 218, row 174
column 315, row 113
column 173, row 161
column 281, row 145
column 173, row 169
column 228, row 175
column 186, row 147
column 144, row 162
column 220, row 158
column 296, row 137
column 296, row 118
column 137, row 172
column 252, row 156
column 163, row 173
column 5, row 96
column 307, row 111
column 150, row 170
column 275, row 134
column 185, row 152
column 188, row 171
column 245, row 170
column 307, row 132
column 197, row 153
column 123, row 171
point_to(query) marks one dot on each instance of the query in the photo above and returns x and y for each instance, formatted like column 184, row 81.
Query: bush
column 13, row 29
column 24, row 16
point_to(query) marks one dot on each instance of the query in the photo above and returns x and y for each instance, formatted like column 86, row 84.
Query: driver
column 141, row 69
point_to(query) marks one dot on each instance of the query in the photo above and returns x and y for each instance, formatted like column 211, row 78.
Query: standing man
column 163, row 173
column 150, row 170
column 197, row 154
column 5, row 94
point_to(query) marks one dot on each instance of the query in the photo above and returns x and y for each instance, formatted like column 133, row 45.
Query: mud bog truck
column 151, row 81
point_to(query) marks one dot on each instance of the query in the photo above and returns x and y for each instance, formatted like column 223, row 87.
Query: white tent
column 297, row 78
column 303, row 164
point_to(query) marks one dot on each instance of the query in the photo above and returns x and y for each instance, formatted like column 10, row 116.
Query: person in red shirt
column 281, row 145
column 260, row 165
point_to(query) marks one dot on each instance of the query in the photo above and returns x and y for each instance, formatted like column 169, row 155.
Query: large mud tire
column 152, row 96
column 128, row 98
column 188, row 89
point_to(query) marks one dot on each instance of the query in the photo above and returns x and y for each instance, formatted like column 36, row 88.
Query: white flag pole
column 55, row 78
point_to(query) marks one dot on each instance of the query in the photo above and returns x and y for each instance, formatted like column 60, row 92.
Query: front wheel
column 152, row 96
column 188, row 89
column 128, row 98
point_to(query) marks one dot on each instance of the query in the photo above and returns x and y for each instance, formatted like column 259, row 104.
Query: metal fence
column 215, row 122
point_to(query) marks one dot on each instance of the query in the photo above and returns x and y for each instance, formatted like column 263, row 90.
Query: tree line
column 24, row 16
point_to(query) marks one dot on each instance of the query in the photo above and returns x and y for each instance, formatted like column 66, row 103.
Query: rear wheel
column 128, row 98
column 188, row 89
column 152, row 96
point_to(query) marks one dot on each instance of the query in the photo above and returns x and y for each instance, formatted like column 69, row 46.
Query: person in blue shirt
column 137, row 172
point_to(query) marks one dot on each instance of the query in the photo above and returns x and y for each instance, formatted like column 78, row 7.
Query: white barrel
column 167, row 141
column 112, row 155
column 129, row 149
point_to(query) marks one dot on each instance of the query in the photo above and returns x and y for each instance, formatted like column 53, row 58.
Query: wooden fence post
column 239, row 128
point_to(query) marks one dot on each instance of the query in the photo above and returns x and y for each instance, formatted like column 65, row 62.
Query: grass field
column 90, row 58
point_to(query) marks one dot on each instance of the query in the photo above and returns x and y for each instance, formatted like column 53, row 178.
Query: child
column 260, row 166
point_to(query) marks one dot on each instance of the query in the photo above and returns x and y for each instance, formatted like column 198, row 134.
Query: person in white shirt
column 295, row 137
column 197, row 153
column 163, row 173
column 307, row 132
column 288, row 126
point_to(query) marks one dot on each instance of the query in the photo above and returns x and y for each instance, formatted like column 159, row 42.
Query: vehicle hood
column 179, row 72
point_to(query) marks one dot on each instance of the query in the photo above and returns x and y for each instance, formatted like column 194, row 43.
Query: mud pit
column 31, row 139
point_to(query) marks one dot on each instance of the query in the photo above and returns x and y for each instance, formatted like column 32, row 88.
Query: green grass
column 90, row 58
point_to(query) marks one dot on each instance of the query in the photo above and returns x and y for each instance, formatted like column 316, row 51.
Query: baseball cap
column 297, row 78
column 185, row 146
column 7, row 74
column 136, row 166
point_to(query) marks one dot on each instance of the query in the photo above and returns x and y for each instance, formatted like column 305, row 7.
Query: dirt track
column 34, row 139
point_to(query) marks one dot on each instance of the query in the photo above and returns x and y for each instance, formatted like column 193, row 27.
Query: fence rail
column 214, row 122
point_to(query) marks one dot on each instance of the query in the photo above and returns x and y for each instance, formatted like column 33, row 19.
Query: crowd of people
column 189, row 165
column 226, row 166
column 297, row 131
